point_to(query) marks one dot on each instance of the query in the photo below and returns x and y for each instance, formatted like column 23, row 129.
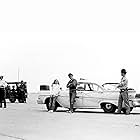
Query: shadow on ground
column 87, row 111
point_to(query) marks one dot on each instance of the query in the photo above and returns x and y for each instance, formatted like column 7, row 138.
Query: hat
column 123, row 71
column 70, row 74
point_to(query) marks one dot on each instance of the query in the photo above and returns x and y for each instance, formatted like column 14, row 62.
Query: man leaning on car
column 123, row 93
column 72, row 84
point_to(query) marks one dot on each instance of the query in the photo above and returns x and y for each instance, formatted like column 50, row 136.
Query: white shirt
column 124, row 83
column 55, row 89
column 3, row 84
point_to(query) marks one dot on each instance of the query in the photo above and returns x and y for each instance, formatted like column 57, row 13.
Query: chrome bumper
column 39, row 101
column 136, row 102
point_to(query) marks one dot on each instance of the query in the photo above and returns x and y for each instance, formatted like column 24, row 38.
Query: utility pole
column 18, row 74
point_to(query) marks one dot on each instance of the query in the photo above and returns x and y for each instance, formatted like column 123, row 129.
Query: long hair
column 54, row 82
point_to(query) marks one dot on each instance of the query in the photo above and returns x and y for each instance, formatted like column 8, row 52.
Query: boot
column 4, row 103
column 128, row 111
column 71, row 108
column 119, row 111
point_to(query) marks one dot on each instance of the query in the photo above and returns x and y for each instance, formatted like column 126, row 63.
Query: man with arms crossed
column 72, row 84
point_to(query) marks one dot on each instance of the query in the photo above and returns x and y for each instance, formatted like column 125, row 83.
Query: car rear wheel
column 108, row 108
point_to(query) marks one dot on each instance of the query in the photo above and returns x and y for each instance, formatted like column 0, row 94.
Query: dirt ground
column 31, row 121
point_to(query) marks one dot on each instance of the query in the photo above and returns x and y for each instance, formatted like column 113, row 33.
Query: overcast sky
column 47, row 39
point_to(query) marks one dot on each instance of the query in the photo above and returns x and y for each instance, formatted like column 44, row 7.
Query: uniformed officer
column 123, row 93
column 3, row 85
column 13, row 90
column 72, row 84
column 23, row 91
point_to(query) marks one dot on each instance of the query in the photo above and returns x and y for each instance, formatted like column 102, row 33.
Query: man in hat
column 3, row 85
column 123, row 93
column 72, row 84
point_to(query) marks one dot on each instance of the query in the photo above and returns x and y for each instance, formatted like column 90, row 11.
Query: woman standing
column 55, row 90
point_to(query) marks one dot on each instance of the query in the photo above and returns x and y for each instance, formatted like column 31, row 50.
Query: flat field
column 31, row 121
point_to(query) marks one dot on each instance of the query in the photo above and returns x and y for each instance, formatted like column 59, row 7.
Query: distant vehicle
column 90, row 96
column 19, row 93
column 44, row 89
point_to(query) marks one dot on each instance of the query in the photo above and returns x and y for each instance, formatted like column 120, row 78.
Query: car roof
column 110, row 84
column 86, row 82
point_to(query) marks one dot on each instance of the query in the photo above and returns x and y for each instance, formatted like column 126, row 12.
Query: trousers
column 72, row 96
column 52, row 102
column 2, row 97
column 124, row 97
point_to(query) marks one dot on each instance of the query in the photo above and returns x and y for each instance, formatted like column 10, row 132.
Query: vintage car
column 90, row 96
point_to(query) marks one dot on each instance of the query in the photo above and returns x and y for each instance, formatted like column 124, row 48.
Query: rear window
column 44, row 87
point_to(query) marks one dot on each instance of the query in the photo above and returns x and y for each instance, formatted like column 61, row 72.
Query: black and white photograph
column 69, row 70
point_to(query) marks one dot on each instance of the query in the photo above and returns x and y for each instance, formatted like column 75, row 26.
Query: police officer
column 3, row 85
column 23, row 91
column 72, row 84
column 123, row 93
column 13, row 90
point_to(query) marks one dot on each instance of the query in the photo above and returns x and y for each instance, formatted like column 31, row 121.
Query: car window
column 110, row 86
column 81, row 86
column 88, row 87
column 100, row 89
column 96, row 88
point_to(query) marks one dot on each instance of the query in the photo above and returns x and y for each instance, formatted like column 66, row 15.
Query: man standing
column 3, row 85
column 23, row 91
column 72, row 84
column 123, row 93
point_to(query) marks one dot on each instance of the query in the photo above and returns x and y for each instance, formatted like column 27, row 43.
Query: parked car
column 90, row 96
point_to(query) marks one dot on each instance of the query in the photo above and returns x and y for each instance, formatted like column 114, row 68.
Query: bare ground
column 32, row 122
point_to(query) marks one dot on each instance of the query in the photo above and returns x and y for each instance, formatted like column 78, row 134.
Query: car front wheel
column 108, row 108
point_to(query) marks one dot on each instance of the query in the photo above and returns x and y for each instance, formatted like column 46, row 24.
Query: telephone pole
column 18, row 74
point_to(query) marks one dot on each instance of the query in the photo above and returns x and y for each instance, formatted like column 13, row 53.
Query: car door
column 64, row 99
column 92, row 96
column 79, row 96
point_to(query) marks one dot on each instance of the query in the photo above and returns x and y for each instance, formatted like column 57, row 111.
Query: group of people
column 72, row 84
column 5, row 89
column 55, row 90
